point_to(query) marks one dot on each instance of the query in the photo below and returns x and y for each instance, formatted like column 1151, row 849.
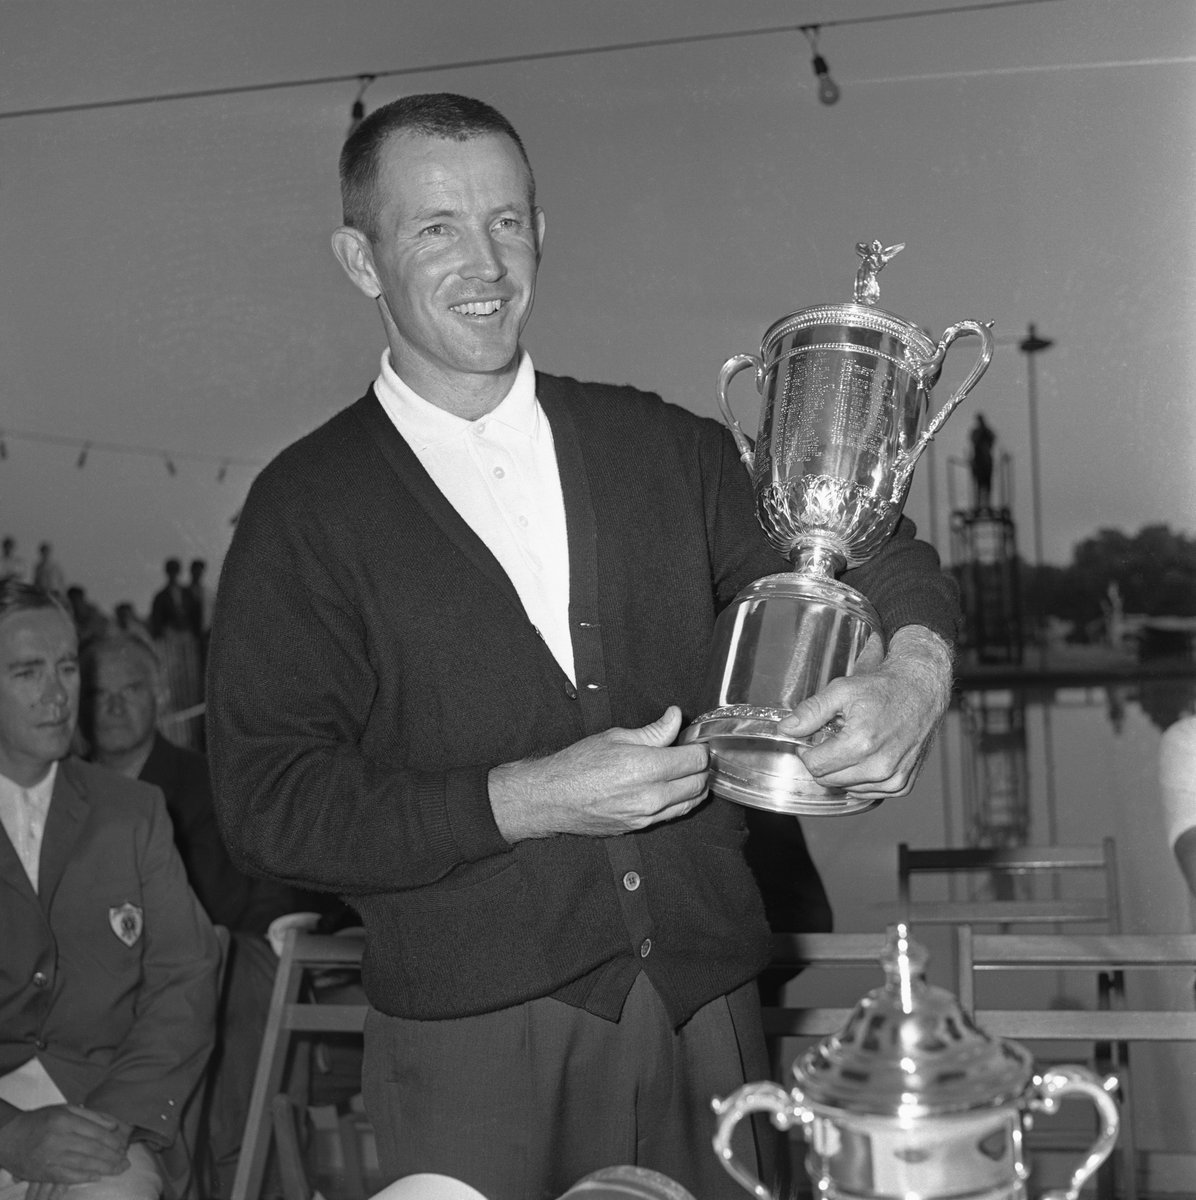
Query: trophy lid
column 855, row 318
column 909, row 1050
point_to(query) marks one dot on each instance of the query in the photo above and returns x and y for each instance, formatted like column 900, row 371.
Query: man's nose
column 482, row 257
column 56, row 694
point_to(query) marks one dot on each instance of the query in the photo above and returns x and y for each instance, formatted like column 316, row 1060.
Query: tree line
column 1154, row 570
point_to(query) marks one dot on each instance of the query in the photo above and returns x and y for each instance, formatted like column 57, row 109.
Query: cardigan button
column 631, row 880
column 40, row 979
column 645, row 947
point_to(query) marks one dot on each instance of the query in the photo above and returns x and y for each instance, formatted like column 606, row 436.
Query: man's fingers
column 98, row 1118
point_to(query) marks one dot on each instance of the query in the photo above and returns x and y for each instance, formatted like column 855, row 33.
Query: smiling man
column 458, row 631
column 108, row 969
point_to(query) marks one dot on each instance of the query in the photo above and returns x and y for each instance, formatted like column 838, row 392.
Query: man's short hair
column 430, row 114
column 117, row 642
column 16, row 596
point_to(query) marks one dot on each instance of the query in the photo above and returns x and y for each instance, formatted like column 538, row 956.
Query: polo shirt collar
column 424, row 424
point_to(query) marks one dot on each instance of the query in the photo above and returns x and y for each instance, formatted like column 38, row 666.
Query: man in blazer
column 108, row 976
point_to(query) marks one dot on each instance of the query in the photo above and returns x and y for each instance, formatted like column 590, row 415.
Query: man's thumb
column 661, row 732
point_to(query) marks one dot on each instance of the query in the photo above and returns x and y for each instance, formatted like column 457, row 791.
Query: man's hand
column 889, row 709
column 610, row 783
column 63, row 1143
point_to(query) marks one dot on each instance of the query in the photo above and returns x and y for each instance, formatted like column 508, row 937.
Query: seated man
column 108, row 973
column 123, row 694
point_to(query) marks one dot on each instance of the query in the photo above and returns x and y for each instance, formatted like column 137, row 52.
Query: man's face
column 39, row 692
column 455, row 255
column 121, row 702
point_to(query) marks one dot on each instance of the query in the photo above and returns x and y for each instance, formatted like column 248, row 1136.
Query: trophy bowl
column 845, row 418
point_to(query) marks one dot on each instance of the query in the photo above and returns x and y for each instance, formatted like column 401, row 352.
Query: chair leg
column 290, row 1156
column 350, row 1125
column 1126, row 1155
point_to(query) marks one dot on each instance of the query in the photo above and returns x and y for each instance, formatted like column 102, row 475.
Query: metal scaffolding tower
column 984, row 561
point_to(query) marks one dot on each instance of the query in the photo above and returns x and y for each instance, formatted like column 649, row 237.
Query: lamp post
column 1031, row 345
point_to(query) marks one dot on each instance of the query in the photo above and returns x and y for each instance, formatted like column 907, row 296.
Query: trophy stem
column 818, row 559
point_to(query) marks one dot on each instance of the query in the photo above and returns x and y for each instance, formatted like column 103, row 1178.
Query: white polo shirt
column 500, row 474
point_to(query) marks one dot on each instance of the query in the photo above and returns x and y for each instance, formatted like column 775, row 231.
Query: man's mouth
column 477, row 308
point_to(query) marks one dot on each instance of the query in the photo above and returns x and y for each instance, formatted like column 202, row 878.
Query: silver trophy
column 846, row 391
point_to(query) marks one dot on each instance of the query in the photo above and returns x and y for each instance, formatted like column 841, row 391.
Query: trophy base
column 752, row 765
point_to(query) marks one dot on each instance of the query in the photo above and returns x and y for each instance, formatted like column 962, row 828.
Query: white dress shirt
column 23, row 815
column 500, row 474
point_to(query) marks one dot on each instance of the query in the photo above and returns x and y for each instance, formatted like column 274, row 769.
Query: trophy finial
column 874, row 257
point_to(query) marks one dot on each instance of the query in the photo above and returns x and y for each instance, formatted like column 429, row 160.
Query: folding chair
column 296, row 1012
column 1102, row 955
column 1005, row 872
column 820, row 950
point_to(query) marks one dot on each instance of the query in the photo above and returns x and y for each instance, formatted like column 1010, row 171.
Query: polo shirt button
column 40, row 979
column 645, row 947
column 631, row 881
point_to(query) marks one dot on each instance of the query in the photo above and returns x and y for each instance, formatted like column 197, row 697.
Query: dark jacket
column 122, row 1024
column 230, row 897
column 371, row 662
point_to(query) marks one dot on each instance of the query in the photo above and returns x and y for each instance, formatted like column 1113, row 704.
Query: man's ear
column 539, row 222
column 354, row 253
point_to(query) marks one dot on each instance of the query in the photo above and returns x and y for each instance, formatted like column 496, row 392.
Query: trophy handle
column 731, row 368
column 1058, row 1082
column 745, row 1100
column 983, row 330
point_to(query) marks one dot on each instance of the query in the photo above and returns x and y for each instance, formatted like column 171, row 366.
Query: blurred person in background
column 123, row 693
column 12, row 564
column 47, row 574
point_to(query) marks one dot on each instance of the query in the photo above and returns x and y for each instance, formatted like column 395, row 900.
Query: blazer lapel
column 12, row 870
column 64, row 823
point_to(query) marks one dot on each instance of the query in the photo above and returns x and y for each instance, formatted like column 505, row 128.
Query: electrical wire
column 86, row 445
column 500, row 60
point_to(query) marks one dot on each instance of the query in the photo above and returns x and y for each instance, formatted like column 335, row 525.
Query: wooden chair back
column 1003, row 867
column 820, row 950
column 1110, row 1028
column 1095, row 953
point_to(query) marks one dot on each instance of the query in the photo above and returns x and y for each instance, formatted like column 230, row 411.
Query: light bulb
column 828, row 89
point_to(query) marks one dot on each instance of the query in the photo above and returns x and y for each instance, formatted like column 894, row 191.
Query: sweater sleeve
column 291, row 683
column 907, row 586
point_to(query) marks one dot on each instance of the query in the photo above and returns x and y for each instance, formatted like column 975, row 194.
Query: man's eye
column 432, row 230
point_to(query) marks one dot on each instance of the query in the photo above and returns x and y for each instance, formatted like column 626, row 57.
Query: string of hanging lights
column 167, row 456
column 826, row 87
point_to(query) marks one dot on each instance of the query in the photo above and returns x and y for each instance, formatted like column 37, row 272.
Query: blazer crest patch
column 127, row 922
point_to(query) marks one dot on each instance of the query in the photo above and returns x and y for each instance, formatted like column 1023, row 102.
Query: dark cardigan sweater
column 371, row 662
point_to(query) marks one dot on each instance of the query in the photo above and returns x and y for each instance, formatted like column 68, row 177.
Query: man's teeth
column 477, row 308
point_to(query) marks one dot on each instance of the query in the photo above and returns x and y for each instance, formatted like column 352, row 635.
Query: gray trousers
column 522, row 1103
